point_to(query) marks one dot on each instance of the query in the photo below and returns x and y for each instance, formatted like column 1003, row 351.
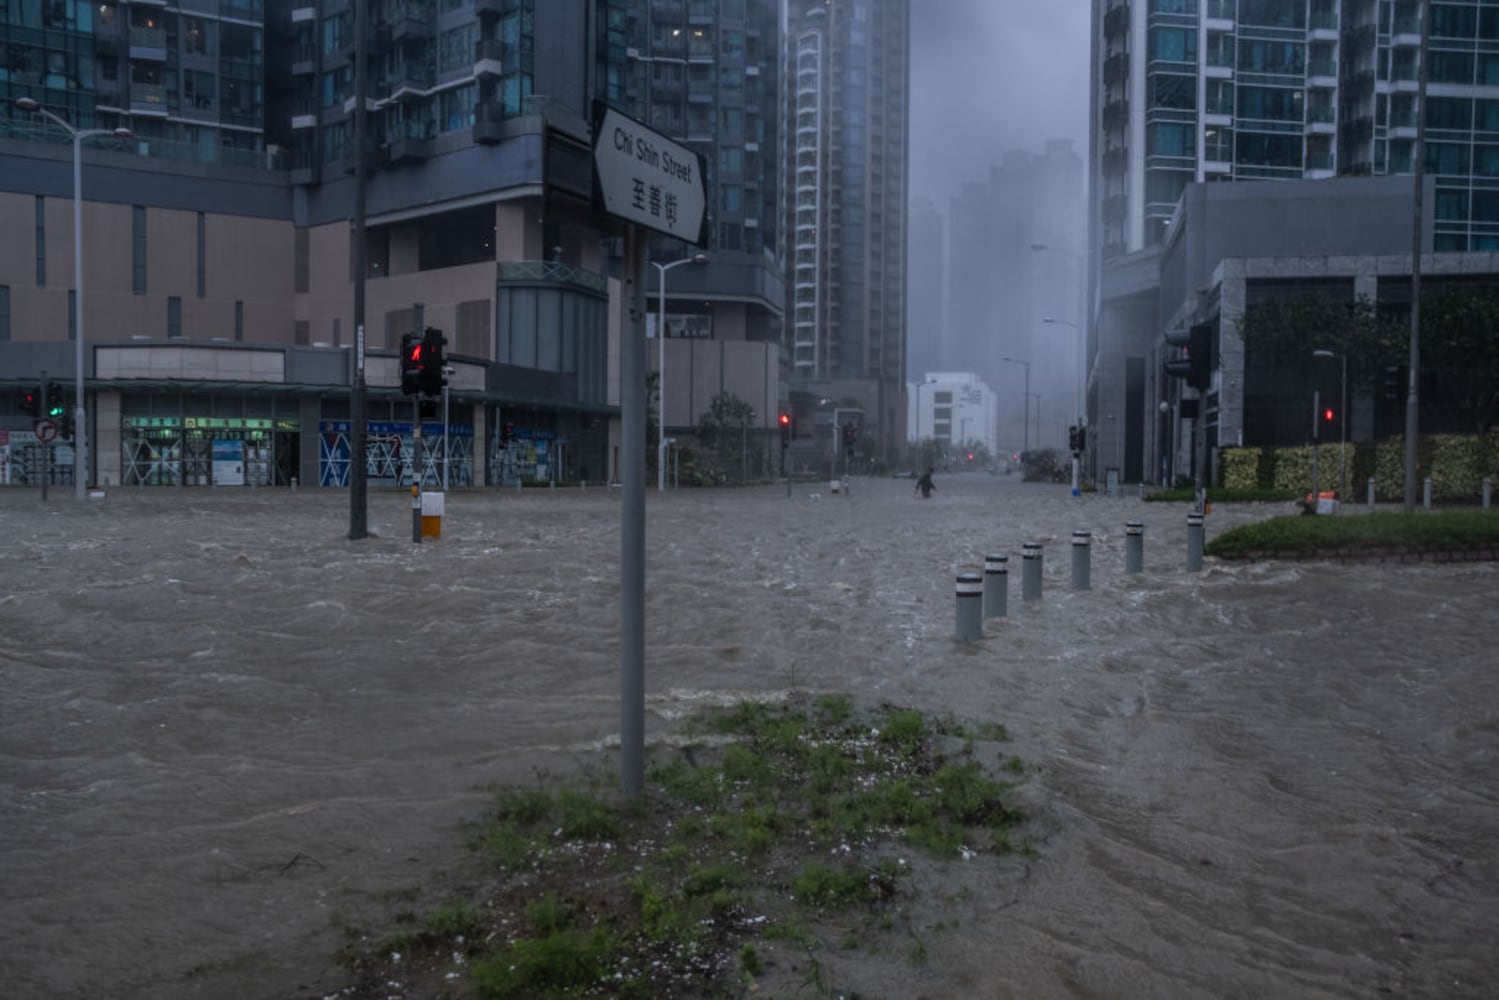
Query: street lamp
column 80, row 432
column 1026, row 400
column 1343, row 422
column 697, row 258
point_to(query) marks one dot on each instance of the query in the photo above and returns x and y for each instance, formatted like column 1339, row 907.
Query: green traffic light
column 56, row 410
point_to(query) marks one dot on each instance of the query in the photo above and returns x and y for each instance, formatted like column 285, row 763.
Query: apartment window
column 1452, row 206
column 1169, row 139
column 174, row 317
column 1173, row 45
column 138, row 249
column 1171, row 90
column 4, row 313
column 456, row 108
column 456, row 48
column 202, row 254
column 1451, row 67
column 1447, row 157
column 41, row 242
column 1453, row 21
column 239, row 320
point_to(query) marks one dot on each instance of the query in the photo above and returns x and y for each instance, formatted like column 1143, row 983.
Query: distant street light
column 697, row 258
column 80, row 429
column 1025, row 400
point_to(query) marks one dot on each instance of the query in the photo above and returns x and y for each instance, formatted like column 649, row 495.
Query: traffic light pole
column 358, row 461
column 47, row 445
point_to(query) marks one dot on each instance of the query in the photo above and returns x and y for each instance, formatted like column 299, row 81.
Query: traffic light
column 431, row 378
column 785, row 421
column 56, row 406
column 1074, row 442
column 411, row 363
column 850, row 432
column 1082, row 440
column 1197, row 366
column 31, row 402
column 65, row 427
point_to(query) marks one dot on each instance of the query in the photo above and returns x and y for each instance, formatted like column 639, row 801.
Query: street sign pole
column 647, row 181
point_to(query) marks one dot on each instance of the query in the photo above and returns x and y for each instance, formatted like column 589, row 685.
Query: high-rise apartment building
column 707, row 74
column 221, row 301
column 1209, row 90
column 847, row 131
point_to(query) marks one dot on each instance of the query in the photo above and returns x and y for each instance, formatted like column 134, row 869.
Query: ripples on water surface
column 226, row 732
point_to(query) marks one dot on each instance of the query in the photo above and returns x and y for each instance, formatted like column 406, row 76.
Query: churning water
column 227, row 733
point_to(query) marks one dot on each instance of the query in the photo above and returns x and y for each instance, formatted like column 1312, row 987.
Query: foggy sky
column 989, row 76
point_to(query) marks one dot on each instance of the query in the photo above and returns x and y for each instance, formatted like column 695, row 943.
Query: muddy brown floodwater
column 227, row 733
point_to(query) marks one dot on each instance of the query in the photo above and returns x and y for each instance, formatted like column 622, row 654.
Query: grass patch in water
column 742, row 846
column 1380, row 531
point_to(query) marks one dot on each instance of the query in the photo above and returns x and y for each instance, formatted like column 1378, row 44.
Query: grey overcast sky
column 989, row 76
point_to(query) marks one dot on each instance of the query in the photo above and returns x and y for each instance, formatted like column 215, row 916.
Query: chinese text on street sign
column 644, row 178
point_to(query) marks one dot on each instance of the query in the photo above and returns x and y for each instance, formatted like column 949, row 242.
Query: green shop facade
column 245, row 416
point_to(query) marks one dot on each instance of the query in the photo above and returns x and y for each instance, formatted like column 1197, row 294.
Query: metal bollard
column 416, row 514
column 970, row 614
column 294, row 484
column 1487, row 490
column 1134, row 547
column 1030, row 571
column 996, row 586
column 1371, row 492
column 1426, row 493
column 1194, row 542
column 1081, row 553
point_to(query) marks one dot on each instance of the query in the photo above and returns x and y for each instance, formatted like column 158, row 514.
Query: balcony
column 410, row 23
column 489, row 123
column 304, row 60
column 148, row 99
column 487, row 61
column 408, row 143
column 149, row 44
column 494, row 8
column 1116, row 68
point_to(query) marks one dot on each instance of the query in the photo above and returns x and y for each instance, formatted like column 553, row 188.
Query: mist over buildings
column 999, row 104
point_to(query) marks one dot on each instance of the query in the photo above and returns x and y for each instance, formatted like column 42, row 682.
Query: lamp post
column 80, row 431
column 1026, row 400
column 661, row 269
column 1343, row 421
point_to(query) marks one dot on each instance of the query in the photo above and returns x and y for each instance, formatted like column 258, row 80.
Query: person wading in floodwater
column 924, row 485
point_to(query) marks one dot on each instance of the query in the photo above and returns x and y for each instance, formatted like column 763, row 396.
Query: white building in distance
column 956, row 407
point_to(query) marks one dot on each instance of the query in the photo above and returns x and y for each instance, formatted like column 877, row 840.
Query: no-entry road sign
column 44, row 429
column 642, row 177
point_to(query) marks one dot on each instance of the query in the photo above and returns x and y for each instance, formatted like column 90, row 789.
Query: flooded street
column 227, row 733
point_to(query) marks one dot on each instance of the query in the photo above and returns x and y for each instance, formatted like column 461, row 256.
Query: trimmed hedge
column 1456, row 464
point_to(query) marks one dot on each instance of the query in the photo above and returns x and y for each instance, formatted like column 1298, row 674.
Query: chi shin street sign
column 642, row 177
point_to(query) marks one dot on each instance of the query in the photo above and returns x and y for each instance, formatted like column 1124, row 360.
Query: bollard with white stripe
column 1081, row 555
column 1030, row 571
column 1426, row 493
column 1371, row 492
column 1134, row 548
column 996, row 586
column 970, row 614
column 1487, row 491
column 1194, row 542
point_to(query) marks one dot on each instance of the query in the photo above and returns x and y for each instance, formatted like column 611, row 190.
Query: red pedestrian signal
column 1327, row 414
column 31, row 402
column 411, row 363
column 785, row 420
